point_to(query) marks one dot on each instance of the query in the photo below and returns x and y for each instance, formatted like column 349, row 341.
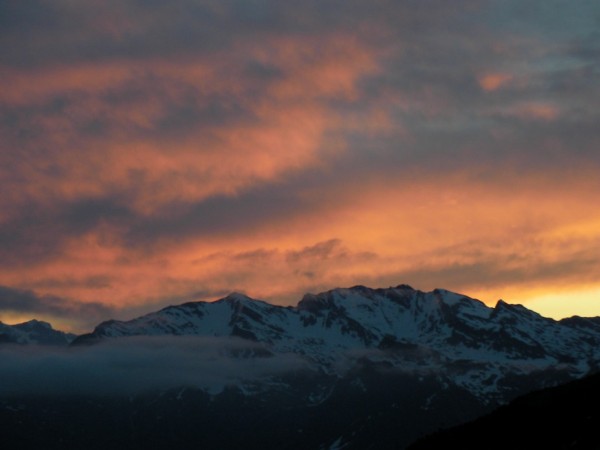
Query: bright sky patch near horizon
column 153, row 153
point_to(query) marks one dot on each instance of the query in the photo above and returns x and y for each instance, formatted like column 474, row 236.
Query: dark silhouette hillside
column 563, row 417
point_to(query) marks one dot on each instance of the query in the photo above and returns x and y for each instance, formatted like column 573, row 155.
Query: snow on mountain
column 33, row 332
column 348, row 368
column 460, row 339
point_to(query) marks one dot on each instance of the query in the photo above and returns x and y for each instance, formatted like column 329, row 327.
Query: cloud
column 192, row 129
column 506, row 276
column 493, row 81
column 321, row 250
column 25, row 301
column 154, row 151
column 138, row 364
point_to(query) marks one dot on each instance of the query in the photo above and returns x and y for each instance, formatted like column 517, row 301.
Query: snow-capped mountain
column 353, row 368
column 467, row 343
column 33, row 332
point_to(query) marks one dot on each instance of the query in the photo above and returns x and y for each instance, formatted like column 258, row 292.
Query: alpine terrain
column 352, row 368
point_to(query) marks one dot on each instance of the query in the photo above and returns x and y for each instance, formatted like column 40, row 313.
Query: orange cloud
column 537, row 111
column 493, row 81
column 473, row 237
column 277, row 162
column 278, row 131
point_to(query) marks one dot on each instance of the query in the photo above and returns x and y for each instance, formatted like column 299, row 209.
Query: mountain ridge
column 350, row 368
column 327, row 328
column 33, row 332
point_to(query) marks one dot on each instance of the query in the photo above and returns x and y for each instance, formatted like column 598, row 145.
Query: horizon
column 153, row 154
column 490, row 305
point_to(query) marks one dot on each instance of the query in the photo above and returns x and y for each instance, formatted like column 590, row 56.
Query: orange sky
column 152, row 156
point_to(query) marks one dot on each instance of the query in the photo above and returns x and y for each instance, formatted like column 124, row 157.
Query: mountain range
column 439, row 331
column 350, row 368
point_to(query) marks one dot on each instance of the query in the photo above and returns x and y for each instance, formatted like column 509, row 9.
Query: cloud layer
column 156, row 153
column 136, row 365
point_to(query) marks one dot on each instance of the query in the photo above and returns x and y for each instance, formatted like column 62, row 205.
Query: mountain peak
column 33, row 332
column 34, row 323
column 405, row 287
column 237, row 297
column 503, row 307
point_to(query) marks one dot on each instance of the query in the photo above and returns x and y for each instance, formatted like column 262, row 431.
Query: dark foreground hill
column 563, row 417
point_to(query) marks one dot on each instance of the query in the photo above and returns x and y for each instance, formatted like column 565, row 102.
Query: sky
column 153, row 153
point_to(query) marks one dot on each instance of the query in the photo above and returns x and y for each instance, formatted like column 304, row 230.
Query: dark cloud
column 40, row 232
column 26, row 301
column 312, row 255
column 132, row 29
column 321, row 250
column 495, row 271
column 93, row 282
column 219, row 215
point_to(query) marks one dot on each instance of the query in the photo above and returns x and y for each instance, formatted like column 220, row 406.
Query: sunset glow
column 151, row 155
